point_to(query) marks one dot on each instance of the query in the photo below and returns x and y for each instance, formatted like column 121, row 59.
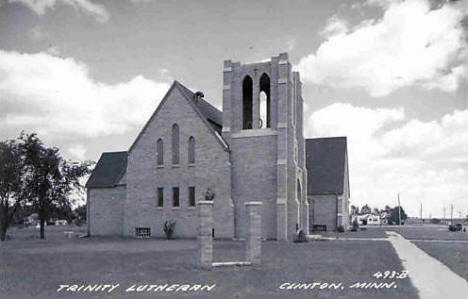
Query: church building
column 252, row 150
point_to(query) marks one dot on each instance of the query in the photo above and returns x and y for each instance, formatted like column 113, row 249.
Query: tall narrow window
column 175, row 144
column 247, row 91
column 160, row 199
column 175, row 197
column 263, row 110
column 265, row 105
column 191, row 192
column 191, row 150
column 160, row 151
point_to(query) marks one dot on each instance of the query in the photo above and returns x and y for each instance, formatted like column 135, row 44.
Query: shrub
column 301, row 237
column 169, row 227
column 355, row 225
column 340, row 229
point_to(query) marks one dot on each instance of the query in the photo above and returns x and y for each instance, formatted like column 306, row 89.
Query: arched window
column 191, row 150
column 247, row 91
column 265, row 109
column 175, row 144
column 160, row 151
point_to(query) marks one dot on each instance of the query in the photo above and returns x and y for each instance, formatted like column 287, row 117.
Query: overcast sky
column 390, row 75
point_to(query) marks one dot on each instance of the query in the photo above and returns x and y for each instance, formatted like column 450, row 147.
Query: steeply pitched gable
column 326, row 165
column 210, row 116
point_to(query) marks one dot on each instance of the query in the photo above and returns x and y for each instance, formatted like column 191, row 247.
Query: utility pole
column 451, row 214
column 420, row 214
column 399, row 210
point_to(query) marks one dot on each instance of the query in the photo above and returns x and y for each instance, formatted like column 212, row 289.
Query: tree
column 366, row 209
column 12, row 194
column 354, row 210
column 50, row 179
column 80, row 213
column 395, row 218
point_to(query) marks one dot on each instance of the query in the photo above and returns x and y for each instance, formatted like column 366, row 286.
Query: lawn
column 370, row 232
column 453, row 255
column 36, row 267
column 428, row 232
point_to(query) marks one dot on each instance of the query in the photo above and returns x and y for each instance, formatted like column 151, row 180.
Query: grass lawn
column 370, row 232
column 428, row 232
column 36, row 267
column 453, row 255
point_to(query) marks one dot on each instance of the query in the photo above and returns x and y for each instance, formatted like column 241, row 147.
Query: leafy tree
column 50, row 179
column 354, row 210
column 366, row 209
column 80, row 213
column 12, row 194
column 394, row 217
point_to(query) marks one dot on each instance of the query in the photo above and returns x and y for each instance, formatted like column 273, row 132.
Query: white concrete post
column 205, row 239
column 254, row 233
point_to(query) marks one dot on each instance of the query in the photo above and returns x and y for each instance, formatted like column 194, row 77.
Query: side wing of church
column 254, row 150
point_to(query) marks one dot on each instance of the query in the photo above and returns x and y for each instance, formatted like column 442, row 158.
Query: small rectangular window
column 175, row 196
column 191, row 196
column 160, row 199
column 143, row 232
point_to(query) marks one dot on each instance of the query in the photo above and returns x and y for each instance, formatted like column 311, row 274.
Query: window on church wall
column 175, row 197
column 265, row 109
column 175, row 144
column 247, row 96
column 160, row 151
column 191, row 191
column 191, row 150
column 160, row 197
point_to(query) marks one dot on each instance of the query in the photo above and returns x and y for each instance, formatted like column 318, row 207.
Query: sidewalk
column 433, row 279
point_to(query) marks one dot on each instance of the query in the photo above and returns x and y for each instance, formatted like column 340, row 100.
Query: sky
column 391, row 75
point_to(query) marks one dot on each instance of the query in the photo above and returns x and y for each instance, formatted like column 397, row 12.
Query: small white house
column 367, row 219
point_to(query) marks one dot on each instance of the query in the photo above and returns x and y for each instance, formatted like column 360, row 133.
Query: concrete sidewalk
column 433, row 279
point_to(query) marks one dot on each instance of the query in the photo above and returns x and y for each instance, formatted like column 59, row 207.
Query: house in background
column 253, row 150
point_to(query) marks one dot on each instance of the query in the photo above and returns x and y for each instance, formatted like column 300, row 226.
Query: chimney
column 197, row 96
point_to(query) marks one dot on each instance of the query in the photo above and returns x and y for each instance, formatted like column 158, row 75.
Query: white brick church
column 252, row 150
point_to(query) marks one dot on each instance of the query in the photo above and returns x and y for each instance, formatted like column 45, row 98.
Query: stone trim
column 227, row 69
column 254, row 133
column 282, row 125
column 226, row 87
column 282, row 80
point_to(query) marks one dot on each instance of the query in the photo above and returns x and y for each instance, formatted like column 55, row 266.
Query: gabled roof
column 210, row 115
column 108, row 171
column 326, row 165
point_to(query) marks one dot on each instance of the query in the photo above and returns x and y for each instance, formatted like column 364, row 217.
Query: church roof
column 211, row 113
column 326, row 165
column 108, row 170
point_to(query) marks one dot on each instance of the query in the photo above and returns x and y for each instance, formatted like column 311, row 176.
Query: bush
column 301, row 237
column 355, row 226
column 169, row 227
column 340, row 229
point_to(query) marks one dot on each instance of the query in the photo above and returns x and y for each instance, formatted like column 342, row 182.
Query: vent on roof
column 197, row 96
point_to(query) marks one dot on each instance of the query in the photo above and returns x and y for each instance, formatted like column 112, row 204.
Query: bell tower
column 262, row 123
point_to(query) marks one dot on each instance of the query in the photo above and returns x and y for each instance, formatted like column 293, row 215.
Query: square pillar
column 205, row 239
column 254, row 231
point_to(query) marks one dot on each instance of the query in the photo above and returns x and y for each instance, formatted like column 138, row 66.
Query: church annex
column 253, row 150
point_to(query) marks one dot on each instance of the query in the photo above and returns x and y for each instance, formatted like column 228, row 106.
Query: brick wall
column 212, row 169
column 105, row 214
